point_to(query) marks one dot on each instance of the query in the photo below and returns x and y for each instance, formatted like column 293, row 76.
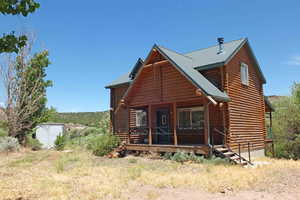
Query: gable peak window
column 244, row 74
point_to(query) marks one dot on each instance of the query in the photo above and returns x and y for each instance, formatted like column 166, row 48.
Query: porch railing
column 217, row 135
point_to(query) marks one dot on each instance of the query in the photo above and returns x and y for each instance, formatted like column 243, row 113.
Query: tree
column 286, row 125
column 25, row 85
column 10, row 42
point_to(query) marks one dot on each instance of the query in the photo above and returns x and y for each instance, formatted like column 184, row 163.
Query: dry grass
column 79, row 175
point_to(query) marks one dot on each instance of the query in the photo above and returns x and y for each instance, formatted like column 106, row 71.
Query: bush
column 9, row 144
column 90, row 131
column 3, row 132
column 184, row 157
column 60, row 142
column 75, row 133
column 180, row 157
column 34, row 144
column 286, row 125
column 101, row 145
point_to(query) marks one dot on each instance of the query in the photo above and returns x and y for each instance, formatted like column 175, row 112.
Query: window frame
column 191, row 110
column 244, row 73
column 137, row 120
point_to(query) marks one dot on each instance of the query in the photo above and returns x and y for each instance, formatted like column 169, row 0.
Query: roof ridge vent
column 221, row 47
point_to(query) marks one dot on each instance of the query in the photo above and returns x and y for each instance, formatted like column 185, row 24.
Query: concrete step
column 229, row 153
column 222, row 149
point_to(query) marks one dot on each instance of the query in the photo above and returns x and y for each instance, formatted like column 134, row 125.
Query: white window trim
column 137, row 121
column 191, row 109
column 245, row 79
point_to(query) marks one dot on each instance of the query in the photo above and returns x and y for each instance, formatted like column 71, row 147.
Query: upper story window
column 191, row 118
column 141, row 118
column 244, row 74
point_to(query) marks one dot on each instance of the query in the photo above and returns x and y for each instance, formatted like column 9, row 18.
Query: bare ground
column 79, row 175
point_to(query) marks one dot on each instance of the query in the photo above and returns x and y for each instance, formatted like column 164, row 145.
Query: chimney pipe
column 221, row 42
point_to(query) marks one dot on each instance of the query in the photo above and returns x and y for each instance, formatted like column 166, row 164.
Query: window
column 191, row 118
column 244, row 74
column 141, row 118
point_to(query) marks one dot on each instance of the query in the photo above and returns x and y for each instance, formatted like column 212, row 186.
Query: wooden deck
column 198, row 149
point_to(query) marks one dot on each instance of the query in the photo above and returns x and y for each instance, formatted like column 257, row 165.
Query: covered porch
column 171, row 126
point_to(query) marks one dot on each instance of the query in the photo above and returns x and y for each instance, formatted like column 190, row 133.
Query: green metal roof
column 210, row 56
column 189, row 64
column 119, row 81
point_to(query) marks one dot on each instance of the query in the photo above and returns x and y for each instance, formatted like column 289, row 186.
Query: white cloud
column 294, row 60
column 2, row 104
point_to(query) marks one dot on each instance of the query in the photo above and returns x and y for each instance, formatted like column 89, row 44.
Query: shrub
column 286, row 125
column 184, row 157
column 90, row 131
column 34, row 144
column 60, row 142
column 3, row 132
column 180, row 157
column 9, row 144
column 168, row 156
column 217, row 161
column 75, row 133
column 102, row 144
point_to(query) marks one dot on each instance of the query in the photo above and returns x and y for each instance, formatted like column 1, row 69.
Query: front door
column 163, row 126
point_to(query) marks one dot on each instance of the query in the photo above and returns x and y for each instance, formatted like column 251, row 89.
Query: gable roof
column 125, row 78
column 136, row 68
column 190, row 63
column 209, row 56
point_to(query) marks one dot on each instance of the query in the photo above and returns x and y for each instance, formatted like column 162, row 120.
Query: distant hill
column 273, row 98
column 84, row 118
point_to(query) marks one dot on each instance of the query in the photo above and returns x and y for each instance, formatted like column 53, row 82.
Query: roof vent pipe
column 221, row 42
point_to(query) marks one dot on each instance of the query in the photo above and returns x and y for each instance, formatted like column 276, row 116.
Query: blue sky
column 93, row 42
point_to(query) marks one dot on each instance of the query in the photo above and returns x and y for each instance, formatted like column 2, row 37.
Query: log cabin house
column 193, row 101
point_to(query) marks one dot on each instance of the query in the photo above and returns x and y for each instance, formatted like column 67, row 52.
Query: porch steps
column 225, row 152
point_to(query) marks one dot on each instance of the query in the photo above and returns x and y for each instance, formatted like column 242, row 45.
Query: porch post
column 175, row 123
column 271, row 134
column 224, row 125
column 128, row 132
column 150, row 125
column 206, row 123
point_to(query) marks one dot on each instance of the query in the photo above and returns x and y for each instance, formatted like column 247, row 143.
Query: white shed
column 46, row 133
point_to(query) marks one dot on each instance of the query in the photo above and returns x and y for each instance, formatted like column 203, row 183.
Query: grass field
column 79, row 175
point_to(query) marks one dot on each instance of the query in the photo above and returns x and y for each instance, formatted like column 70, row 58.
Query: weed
column 132, row 160
column 8, row 144
column 60, row 142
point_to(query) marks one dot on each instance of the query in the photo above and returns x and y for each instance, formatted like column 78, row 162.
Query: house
column 196, row 101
